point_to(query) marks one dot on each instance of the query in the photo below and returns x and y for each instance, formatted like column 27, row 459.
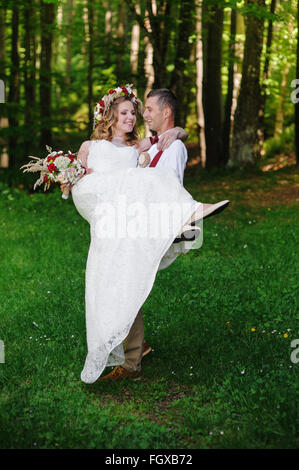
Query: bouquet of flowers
column 57, row 167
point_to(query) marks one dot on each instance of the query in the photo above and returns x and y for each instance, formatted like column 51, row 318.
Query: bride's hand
column 63, row 186
column 170, row 136
column 143, row 145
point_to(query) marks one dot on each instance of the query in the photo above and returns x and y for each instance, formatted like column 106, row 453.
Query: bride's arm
column 143, row 145
column 165, row 140
column 170, row 136
column 82, row 156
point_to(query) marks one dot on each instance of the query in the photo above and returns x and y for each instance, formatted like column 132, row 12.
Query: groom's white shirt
column 175, row 156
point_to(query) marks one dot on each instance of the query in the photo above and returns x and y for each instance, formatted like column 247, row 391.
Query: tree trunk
column 244, row 144
column 135, row 45
column 120, row 41
column 14, row 87
column 47, row 24
column 108, row 31
column 29, row 72
column 160, row 40
column 284, row 89
column 212, row 94
column 181, row 82
column 157, row 29
column 2, row 42
column 148, row 68
column 230, row 89
column 89, row 39
column 266, row 76
column 3, row 118
column 239, row 53
column 283, row 94
column 69, row 40
column 199, row 79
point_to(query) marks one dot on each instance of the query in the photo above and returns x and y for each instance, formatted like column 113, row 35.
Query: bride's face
column 126, row 119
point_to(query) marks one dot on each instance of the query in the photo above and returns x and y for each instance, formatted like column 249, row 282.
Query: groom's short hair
column 165, row 98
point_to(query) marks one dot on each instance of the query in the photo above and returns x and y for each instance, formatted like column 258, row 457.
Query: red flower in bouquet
column 52, row 168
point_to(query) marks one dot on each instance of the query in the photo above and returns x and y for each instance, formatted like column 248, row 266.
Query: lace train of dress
column 121, row 267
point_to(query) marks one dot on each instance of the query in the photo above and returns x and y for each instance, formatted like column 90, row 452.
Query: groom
column 160, row 111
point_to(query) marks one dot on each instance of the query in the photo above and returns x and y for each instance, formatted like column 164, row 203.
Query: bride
column 135, row 214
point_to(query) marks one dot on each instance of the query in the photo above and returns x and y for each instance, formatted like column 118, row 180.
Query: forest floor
column 221, row 320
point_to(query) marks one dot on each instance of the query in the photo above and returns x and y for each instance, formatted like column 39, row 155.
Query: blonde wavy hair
column 104, row 128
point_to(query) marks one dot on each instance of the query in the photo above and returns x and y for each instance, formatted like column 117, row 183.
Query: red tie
column 156, row 158
column 154, row 139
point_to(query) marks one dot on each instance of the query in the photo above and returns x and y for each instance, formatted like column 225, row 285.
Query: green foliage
column 283, row 143
column 111, row 63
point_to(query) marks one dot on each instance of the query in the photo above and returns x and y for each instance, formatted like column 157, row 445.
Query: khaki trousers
column 133, row 345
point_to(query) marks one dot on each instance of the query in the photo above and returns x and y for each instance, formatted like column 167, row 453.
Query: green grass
column 211, row 382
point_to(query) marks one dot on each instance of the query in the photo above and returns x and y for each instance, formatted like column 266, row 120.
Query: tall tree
column 266, row 72
column 69, row 14
column 108, row 30
column 47, row 20
column 283, row 95
column 285, row 67
column 121, row 27
column 29, row 69
column 3, row 118
column 2, row 42
column 14, row 86
column 199, row 78
column 181, row 82
column 244, row 143
column 239, row 55
column 148, row 66
column 230, row 88
column 135, row 44
column 212, row 92
column 90, row 6
column 157, row 29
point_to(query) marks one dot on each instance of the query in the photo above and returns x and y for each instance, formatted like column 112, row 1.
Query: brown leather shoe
column 120, row 373
column 146, row 348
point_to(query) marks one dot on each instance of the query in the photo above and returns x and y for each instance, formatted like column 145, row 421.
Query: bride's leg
column 203, row 211
column 198, row 214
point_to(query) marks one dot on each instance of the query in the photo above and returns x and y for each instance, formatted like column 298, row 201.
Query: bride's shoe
column 208, row 210
column 189, row 234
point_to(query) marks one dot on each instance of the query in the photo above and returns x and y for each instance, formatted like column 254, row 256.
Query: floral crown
column 105, row 103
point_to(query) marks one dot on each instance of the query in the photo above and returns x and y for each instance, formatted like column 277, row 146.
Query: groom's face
column 153, row 114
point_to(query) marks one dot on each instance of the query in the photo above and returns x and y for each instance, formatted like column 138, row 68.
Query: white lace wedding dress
column 122, row 265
